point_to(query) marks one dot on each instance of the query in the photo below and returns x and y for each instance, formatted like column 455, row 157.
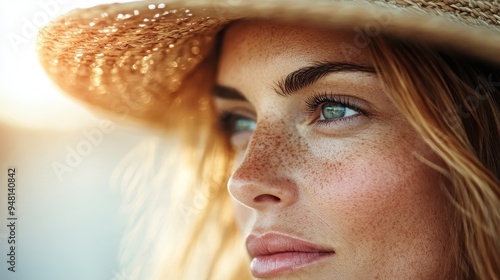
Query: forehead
column 257, row 54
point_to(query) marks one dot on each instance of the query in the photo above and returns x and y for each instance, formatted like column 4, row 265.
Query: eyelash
column 316, row 101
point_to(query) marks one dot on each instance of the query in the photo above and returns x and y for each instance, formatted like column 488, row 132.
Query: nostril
column 266, row 198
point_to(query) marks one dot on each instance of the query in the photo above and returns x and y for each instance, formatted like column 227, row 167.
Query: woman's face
column 327, row 184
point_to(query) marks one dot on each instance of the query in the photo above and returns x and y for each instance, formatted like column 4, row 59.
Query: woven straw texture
column 153, row 61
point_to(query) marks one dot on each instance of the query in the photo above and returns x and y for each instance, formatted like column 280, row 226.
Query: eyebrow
column 227, row 93
column 297, row 79
column 306, row 76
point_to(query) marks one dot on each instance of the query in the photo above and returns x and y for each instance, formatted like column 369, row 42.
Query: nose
column 263, row 180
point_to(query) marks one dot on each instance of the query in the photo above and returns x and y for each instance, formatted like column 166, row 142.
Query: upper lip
column 276, row 243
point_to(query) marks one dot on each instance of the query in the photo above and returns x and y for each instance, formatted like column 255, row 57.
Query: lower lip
column 277, row 264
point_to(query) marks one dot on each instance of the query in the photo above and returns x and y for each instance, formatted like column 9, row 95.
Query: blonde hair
column 452, row 101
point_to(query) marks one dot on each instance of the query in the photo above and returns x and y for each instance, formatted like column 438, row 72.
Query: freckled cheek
column 349, row 194
column 367, row 197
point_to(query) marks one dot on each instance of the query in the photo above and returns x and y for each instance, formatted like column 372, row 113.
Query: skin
column 354, row 185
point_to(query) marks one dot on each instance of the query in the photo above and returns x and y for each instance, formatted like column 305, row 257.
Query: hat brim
column 154, row 61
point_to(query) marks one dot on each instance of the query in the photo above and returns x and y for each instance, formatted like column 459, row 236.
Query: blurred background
column 69, row 221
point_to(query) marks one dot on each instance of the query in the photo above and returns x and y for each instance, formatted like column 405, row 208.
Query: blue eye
column 233, row 123
column 333, row 111
column 244, row 124
column 332, row 108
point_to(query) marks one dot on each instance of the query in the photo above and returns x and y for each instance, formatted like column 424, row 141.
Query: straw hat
column 155, row 61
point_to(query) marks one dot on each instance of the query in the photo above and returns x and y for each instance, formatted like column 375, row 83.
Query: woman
column 357, row 140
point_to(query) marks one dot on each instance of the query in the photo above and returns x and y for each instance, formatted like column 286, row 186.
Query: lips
column 274, row 254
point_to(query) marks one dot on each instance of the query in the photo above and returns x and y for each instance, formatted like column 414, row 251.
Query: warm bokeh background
column 69, row 224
